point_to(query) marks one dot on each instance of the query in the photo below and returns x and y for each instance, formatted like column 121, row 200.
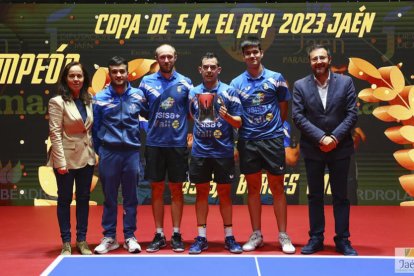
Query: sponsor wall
column 37, row 40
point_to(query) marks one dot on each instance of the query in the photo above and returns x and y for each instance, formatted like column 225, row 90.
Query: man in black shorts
column 264, row 95
column 166, row 152
column 213, row 149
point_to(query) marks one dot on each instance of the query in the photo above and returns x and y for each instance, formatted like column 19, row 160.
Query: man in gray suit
column 324, row 110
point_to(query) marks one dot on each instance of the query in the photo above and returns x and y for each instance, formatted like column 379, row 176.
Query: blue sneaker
column 200, row 244
column 231, row 245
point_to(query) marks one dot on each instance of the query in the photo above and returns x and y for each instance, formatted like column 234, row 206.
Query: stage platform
column 222, row 265
column 31, row 242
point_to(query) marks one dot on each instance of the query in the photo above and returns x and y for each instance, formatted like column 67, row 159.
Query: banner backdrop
column 37, row 40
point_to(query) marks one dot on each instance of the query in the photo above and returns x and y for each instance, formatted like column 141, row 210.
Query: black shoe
column 344, row 246
column 177, row 242
column 157, row 243
column 314, row 245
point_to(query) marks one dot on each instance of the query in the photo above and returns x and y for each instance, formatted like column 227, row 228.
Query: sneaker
column 286, row 244
column 254, row 242
column 177, row 243
column 83, row 248
column 107, row 244
column 231, row 245
column 200, row 244
column 157, row 243
column 66, row 249
column 132, row 245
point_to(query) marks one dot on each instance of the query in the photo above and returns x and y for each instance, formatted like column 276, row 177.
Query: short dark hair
column 117, row 60
column 318, row 46
column 249, row 42
column 63, row 88
column 210, row 55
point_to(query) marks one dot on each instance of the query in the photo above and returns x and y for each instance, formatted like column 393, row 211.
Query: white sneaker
column 286, row 244
column 254, row 241
column 107, row 244
column 132, row 245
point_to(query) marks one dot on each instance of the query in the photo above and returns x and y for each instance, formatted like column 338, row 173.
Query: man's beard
column 116, row 85
column 166, row 70
column 321, row 70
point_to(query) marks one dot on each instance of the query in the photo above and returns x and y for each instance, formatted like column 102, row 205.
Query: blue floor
column 213, row 265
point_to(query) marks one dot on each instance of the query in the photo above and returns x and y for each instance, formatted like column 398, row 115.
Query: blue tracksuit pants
column 119, row 167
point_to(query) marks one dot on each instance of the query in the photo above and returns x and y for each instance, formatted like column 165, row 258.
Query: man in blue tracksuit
column 116, row 139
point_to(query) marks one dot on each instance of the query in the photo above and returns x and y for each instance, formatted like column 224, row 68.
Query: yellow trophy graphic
column 388, row 86
column 137, row 68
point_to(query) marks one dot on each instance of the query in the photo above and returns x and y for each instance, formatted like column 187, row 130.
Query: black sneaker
column 157, row 243
column 177, row 243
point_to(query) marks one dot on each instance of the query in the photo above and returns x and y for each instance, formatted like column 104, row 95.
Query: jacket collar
column 114, row 94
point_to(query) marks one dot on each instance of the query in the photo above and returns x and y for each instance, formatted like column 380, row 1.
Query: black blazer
column 314, row 121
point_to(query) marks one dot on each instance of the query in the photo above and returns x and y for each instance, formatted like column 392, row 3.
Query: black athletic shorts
column 256, row 155
column 173, row 161
column 202, row 169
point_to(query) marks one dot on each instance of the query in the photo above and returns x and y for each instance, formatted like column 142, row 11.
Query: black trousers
column 338, row 177
column 65, row 182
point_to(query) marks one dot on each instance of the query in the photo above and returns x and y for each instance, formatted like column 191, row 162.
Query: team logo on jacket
column 175, row 124
column 265, row 86
column 258, row 99
column 269, row 117
column 217, row 134
column 132, row 108
column 179, row 89
column 167, row 103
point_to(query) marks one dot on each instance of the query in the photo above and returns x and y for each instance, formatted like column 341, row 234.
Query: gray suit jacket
column 314, row 121
column 71, row 138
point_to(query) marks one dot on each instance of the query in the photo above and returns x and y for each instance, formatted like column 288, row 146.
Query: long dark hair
column 63, row 88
